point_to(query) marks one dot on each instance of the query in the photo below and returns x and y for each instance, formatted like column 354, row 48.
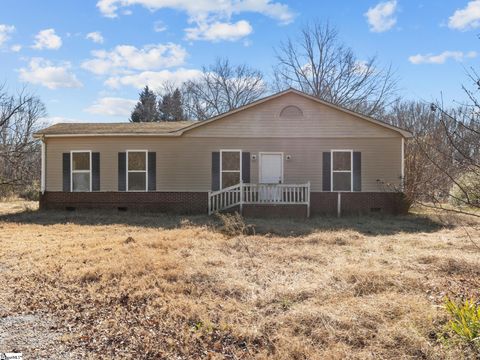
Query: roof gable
column 292, row 114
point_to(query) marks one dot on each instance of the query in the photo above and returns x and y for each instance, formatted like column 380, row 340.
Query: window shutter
column 66, row 172
column 96, row 171
column 122, row 171
column 357, row 171
column 215, row 170
column 152, row 171
column 246, row 167
column 326, row 171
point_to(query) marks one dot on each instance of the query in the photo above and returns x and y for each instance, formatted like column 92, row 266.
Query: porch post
column 209, row 202
column 339, row 204
column 308, row 199
column 241, row 196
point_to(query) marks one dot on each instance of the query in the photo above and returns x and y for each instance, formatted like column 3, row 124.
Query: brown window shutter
column 246, row 167
column 152, row 171
column 326, row 171
column 122, row 171
column 215, row 171
column 96, row 171
column 357, row 171
column 66, row 172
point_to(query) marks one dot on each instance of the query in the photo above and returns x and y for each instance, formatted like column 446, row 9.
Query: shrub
column 31, row 192
column 234, row 225
column 465, row 320
column 469, row 190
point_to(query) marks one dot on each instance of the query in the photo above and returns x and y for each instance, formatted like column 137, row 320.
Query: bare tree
column 222, row 87
column 442, row 162
column 20, row 115
column 316, row 62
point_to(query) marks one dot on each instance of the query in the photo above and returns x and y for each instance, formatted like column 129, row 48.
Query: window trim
column 235, row 171
column 341, row 171
column 80, row 171
column 137, row 171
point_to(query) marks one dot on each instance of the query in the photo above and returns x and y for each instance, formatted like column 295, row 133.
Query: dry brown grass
column 154, row 286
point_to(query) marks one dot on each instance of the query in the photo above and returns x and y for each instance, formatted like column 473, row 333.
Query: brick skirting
column 174, row 202
column 321, row 203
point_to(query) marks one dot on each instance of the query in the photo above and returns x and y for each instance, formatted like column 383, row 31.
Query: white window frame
column 80, row 171
column 137, row 171
column 221, row 162
column 341, row 171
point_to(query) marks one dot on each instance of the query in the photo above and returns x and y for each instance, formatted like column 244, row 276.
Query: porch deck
column 259, row 194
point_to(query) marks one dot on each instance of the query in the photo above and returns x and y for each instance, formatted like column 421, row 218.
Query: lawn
column 92, row 284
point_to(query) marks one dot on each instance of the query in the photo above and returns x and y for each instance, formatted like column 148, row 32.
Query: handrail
column 247, row 193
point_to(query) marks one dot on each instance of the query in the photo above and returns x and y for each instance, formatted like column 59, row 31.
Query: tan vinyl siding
column 184, row 163
column 318, row 121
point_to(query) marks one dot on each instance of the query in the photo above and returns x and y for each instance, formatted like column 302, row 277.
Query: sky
column 88, row 59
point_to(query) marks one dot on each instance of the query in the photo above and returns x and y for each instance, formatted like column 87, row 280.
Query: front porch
column 259, row 194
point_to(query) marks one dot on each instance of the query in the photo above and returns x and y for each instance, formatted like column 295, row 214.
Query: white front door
column 271, row 168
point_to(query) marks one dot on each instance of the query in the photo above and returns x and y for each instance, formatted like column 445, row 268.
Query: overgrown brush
column 465, row 320
column 234, row 225
column 31, row 192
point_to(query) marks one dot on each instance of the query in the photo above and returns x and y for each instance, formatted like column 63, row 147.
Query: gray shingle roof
column 153, row 128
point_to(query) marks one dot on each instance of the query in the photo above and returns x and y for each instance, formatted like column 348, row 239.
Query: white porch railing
column 240, row 194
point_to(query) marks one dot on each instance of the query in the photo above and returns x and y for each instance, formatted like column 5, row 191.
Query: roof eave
column 44, row 135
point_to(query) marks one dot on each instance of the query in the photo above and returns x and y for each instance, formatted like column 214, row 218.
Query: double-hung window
column 342, row 174
column 137, row 170
column 81, row 170
column 230, row 167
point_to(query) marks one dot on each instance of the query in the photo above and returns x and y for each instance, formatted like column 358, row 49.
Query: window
column 341, row 162
column 291, row 111
column 230, row 167
column 81, row 176
column 137, row 165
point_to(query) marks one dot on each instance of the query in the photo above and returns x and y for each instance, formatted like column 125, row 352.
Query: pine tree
column 146, row 108
column 177, row 106
column 171, row 106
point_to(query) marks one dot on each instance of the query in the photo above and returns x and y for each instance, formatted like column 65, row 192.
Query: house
column 288, row 153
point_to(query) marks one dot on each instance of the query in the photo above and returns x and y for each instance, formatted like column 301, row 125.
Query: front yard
column 123, row 285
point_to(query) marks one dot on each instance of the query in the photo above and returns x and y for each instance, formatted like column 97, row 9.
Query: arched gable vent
column 291, row 111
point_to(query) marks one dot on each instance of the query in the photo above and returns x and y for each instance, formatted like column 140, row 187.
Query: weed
column 465, row 320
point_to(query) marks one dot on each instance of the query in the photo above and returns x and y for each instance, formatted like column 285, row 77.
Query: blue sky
column 88, row 59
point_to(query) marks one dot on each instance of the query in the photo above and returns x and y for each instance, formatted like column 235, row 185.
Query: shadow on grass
column 372, row 225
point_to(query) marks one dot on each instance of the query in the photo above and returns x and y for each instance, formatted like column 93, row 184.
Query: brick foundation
column 174, row 202
column 321, row 203
column 273, row 211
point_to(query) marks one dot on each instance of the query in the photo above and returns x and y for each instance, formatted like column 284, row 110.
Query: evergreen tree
column 171, row 106
column 146, row 108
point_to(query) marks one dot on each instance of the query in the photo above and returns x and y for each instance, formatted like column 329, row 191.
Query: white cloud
column 208, row 15
column 382, row 16
column 95, row 36
column 153, row 79
column 47, row 39
column 466, row 18
column 159, row 26
column 112, row 106
column 45, row 73
column 124, row 58
column 5, row 31
column 441, row 58
column 16, row 48
column 202, row 9
column 219, row 31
